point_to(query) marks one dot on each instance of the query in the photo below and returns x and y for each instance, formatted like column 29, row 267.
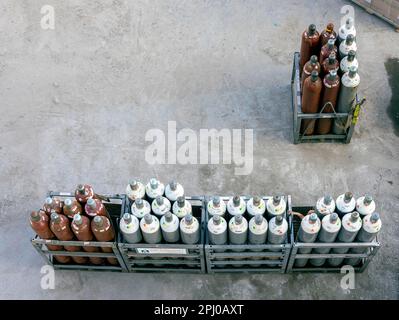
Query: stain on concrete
column 392, row 67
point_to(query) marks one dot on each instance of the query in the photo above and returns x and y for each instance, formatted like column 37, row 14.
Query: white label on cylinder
column 160, row 251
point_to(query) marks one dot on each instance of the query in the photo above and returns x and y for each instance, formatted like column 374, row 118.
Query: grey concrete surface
column 76, row 103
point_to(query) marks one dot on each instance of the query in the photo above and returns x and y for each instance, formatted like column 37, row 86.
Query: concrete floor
column 76, row 103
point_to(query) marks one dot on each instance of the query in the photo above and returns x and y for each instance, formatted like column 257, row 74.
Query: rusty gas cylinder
column 95, row 207
column 310, row 101
column 327, row 49
column 72, row 207
column 51, row 204
column 59, row 224
column 84, row 192
column 311, row 65
column 103, row 231
column 39, row 221
column 82, row 230
column 329, row 64
column 309, row 45
column 328, row 34
column 329, row 100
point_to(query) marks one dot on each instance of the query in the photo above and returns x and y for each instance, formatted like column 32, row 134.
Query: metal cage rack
column 113, row 208
column 270, row 258
column 370, row 247
column 166, row 257
column 299, row 116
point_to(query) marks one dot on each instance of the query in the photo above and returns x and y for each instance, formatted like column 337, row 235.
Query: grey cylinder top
column 354, row 216
column 367, row 199
column 68, row 202
column 139, row 203
column 276, row 200
column 313, row 218
column 159, row 200
column 236, row 201
column 351, row 55
column 98, row 221
column 216, row 219
column 216, row 200
column 238, row 219
column 148, row 218
column 134, row 185
column 348, row 197
column 258, row 219
column 333, row 217
column 77, row 219
column 173, row 185
column 375, row 217
column 188, row 218
column 154, row 183
column 181, row 202
column 352, row 71
column 91, row 203
column 127, row 217
column 35, row 216
column 49, row 200
column 349, row 39
column 256, row 200
column 54, row 216
column 327, row 199
column 279, row 220
column 168, row 217
column 81, row 188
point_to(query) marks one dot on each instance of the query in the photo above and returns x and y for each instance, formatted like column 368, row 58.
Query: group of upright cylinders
column 159, row 214
column 345, row 220
column 256, row 221
column 329, row 76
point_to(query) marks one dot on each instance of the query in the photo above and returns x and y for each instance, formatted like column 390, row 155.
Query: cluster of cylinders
column 344, row 220
column 329, row 76
column 158, row 214
column 82, row 218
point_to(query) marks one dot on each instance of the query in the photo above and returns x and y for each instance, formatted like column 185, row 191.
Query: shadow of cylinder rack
column 299, row 116
column 370, row 249
column 166, row 257
column 248, row 258
column 113, row 208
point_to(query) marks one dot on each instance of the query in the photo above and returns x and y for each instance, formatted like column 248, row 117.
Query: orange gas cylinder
column 327, row 49
column 104, row 232
column 328, row 34
column 310, row 45
column 311, row 65
column 72, row 207
column 310, row 101
column 52, row 204
column 329, row 64
column 84, row 192
column 95, row 207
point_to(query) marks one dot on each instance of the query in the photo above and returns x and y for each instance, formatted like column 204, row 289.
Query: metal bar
column 247, row 246
column 73, row 243
column 161, row 262
column 330, row 255
column 138, row 255
column 152, row 270
column 246, row 270
column 322, row 115
column 247, row 262
column 246, row 254
column 42, row 254
column 81, row 254
column 88, row 267
column 322, row 270
column 332, row 245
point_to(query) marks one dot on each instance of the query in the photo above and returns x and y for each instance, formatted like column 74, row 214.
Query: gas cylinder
column 95, row 207
column 190, row 229
column 371, row 226
column 140, row 208
column 235, row 206
column 72, row 207
column 329, row 64
column 351, row 224
column 328, row 34
column 257, row 230
column 365, row 205
column 328, row 101
column 327, row 49
column 84, row 192
column 81, row 228
column 347, row 98
column 238, row 234
column 135, row 190
column 150, row 229
column 311, row 93
column 310, row 45
column 256, row 205
column 129, row 226
column 345, row 203
column 52, row 204
column 324, row 206
column 275, row 207
column 39, row 221
column 104, row 232
column 216, row 206
column 217, row 230
column 348, row 45
column 346, row 29
column 277, row 231
column 170, row 227
column 59, row 224
column 310, row 66
column 349, row 61
column 160, row 206
column 330, row 226
column 154, row 188
column 181, row 207
column 308, row 231
column 174, row 190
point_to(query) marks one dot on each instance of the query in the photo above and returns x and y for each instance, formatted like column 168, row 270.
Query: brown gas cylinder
column 327, row 34
column 310, row 100
column 59, row 224
column 82, row 230
column 104, row 232
column 39, row 222
column 84, row 192
column 327, row 49
column 95, row 207
column 310, row 45
column 72, row 207
column 52, row 204
column 310, row 66
column 329, row 64
column 330, row 95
